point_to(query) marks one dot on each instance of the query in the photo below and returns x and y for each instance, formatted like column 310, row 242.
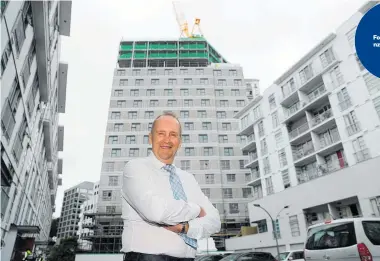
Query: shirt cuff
column 194, row 212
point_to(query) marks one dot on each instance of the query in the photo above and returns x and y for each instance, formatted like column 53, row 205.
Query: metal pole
column 274, row 231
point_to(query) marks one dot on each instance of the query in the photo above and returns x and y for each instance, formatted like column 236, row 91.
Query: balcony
column 61, row 130
column 318, row 119
column 48, row 129
column 353, row 128
column 298, row 131
column 50, row 175
column 60, row 181
column 333, row 166
column 255, row 174
column 65, row 17
column 249, row 143
column 62, row 83
column 302, row 153
column 8, row 120
column 246, row 130
column 252, row 160
column 60, row 165
column 362, row 155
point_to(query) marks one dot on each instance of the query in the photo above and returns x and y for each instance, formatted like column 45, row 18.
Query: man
column 163, row 207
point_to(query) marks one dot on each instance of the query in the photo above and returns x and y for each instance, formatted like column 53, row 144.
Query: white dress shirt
column 147, row 198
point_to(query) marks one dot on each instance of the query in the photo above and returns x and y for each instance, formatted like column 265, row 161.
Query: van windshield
column 372, row 231
column 335, row 235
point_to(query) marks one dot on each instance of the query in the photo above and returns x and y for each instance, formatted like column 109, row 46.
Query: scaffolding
column 186, row 52
column 104, row 233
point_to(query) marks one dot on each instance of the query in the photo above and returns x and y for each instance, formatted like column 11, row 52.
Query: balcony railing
column 331, row 139
column 299, row 154
column 293, row 109
column 255, row 174
column 7, row 120
column 298, row 131
column 322, row 170
column 362, row 155
column 252, row 156
column 317, row 93
column 353, row 128
column 250, row 138
column 257, row 196
column 321, row 117
column 343, row 105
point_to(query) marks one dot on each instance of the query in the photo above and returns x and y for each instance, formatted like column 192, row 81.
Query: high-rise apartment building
column 313, row 140
column 73, row 199
column 33, row 93
column 190, row 78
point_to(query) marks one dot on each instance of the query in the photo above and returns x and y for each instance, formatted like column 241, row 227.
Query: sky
column 265, row 37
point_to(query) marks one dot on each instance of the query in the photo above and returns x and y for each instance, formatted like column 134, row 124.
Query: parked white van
column 350, row 239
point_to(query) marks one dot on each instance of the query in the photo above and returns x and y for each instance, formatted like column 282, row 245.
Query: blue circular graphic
column 367, row 40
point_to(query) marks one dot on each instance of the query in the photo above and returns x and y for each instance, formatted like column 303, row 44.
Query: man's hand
column 202, row 213
column 177, row 228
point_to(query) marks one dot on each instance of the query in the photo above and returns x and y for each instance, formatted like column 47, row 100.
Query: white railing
column 321, row 117
column 252, row 156
column 298, row 131
column 299, row 154
column 353, row 128
column 362, row 155
column 255, row 174
column 317, row 93
column 321, row 170
column 324, row 142
column 293, row 109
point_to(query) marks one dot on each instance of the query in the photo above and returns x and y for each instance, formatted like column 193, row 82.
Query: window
column 222, row 82
column 132, row 115
column 172, row 81
column 264, row 147
column 223, row 103
column 240, row 103
column 257, row 113
column 110, row 209
column 205, row 102
column 269, row 185
column 288, row 88
column 109, row 166
column 219, row 92
column 294, row 226
column 19, row 33
column 185, row 138
column 205, row 165
column 225, row 164
column 187, row 81
column 199, row 71
column 344, row 99
column 153, row 103
column 139, row 82
column 113, row 139
column 121, row 104
column 168, row 72
column 306, row 73
column 351, row 37
column 206, row 126
column 275, row 120
column 361, row 67
column 223, row 138
column 238, row 82
column 189, row 152
column 136, row 72
column 235, row 92
column 134, row 92
column 189, row 126
column 208, row 151
column 115, row 152
column 185, row 164
column 228, row 151
column 282, row 158
column 372, row 231
column 137, row 103
column 376, row 103
column 133, row 152
column 185, row 92
column 278, row 138
column 227, row 192
column 118, row 93
column 202, row 114
column 221, row 114
column 330, row 236
column 171, row 103
column 183, row 71
column 120, row 72
column 360, row 148
column 123, row 82
column 203, row 81
column 231, row 177
column 201, row 91
column 267, row 169
column 113, row 181
column 150, row 124
column 327, row 57
column 135, row 127
column 352, row 124
column 146, row 139
column 336, row 77
column 286, row 179
column 203, row 138
column 217, row 73
column 247, row 192
column 118, row 126
column 130, row 139
column 184, row 114
column 107, row 195
column 150, row 92
column 372, row 83
column 226, row 126
column 232, row 73
column 151, row 71
column 188, row 103
column 206, row 192
column 209, row 178
column 168, row 92
column 148, row 115
column 272, row 101
column 234, row 208
column 5, row 56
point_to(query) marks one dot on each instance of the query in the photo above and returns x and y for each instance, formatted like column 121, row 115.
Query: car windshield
column 372, row 231
column 230, row 257
column 283, row 256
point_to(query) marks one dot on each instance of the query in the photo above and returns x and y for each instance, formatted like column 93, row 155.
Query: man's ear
column 150, row 138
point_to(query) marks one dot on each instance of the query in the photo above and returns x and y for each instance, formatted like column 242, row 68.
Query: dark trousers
column 134, row 256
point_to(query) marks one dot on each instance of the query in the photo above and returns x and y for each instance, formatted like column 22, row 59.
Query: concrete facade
column 33, row 93
column 313, row 140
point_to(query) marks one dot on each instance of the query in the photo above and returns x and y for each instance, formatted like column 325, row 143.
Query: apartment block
column 33, row 94
column 73, row 200
column 190, row 78
column 313, row 140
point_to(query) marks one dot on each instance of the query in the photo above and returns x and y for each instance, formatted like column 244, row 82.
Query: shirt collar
column 156, row 162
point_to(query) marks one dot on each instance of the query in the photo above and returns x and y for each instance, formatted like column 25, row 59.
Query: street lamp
column 273, row 227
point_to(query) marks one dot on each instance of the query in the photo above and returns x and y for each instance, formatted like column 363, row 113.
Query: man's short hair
column 167, row 113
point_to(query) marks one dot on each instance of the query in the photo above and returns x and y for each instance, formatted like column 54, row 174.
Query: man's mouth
column 165, row 147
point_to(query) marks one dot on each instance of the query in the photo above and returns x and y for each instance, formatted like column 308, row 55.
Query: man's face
column 165, row 139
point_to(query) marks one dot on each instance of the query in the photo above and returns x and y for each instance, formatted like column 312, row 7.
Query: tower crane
column 196, row 31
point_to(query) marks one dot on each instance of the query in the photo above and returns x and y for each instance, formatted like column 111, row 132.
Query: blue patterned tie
column 178, row 194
